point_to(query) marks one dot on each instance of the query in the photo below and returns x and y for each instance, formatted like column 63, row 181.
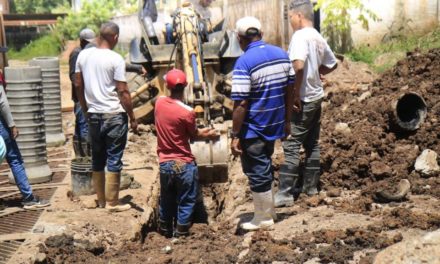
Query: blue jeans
column 256, row 162
column 15, row 161
column 178, row 191
column 108, row 137
column 81, row 126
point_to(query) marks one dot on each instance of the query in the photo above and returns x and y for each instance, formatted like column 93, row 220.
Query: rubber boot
column 263, row 203
column 98, row 178
column 166, row 228
column 311, row 177
column 112, row 183
column 76, row 147
column 182, row 230
column 288, row 178
column 85, row 149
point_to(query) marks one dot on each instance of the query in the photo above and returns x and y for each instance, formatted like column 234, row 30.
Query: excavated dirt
column 373, row 155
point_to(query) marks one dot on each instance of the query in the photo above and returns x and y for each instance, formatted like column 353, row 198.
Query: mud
column 373, row 155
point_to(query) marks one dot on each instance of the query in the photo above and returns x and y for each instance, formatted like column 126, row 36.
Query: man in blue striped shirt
column 262, row 83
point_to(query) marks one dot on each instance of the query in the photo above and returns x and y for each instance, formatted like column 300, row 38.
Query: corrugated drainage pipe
column 410, row 111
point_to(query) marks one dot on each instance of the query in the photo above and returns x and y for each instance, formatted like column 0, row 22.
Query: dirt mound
column 371, row 155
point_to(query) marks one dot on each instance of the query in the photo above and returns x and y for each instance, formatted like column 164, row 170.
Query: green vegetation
column 385, row 55
column 38, row 6
column 339, row 18
column 45, row 46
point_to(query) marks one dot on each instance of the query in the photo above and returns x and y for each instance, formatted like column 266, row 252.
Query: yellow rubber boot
column 112, row 183
column 98, row 178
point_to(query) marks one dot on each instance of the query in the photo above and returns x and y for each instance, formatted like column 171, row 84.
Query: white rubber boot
column 264, row 208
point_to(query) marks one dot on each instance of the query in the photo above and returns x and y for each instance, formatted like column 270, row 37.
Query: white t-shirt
column 309, row 46
column 101, row 68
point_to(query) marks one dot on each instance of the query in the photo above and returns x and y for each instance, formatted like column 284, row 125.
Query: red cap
column 175, row 77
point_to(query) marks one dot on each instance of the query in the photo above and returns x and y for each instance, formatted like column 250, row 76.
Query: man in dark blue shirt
column 261, row 89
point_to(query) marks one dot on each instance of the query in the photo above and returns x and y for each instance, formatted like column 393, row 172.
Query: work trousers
column 108, row 137
column 305, row 128
column 15, row 161
column 178, row 191
column 256, row 162
column 81, row 126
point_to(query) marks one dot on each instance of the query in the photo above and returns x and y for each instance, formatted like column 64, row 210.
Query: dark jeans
column 178, row 191
column 81, row 126
column 108, row 137
column 256, row 161
column 15, row 161
column 305, row 126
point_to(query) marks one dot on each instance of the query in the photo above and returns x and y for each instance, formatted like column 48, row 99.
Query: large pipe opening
column 410, row 111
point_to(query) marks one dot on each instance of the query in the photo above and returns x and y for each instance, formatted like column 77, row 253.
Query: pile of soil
column 374, row 155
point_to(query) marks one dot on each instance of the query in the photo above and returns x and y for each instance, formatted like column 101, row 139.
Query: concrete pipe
column 25, row 97
column 50, row 73
column 409, row 111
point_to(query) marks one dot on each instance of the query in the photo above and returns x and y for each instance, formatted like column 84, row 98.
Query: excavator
column 206, row 53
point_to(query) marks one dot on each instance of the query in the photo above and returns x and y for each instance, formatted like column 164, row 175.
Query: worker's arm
column 125, row 98
column 298, row 66
column 139, row 69
column 206, row 133
column 238, row 116
column 79, row 85
column 6, row 114
column 72, row 64
column 323, row 70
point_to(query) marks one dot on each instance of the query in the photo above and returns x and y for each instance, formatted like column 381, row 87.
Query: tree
column 36, row 6
column 339, row 16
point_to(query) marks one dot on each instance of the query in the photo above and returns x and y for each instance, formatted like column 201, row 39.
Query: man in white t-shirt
column 311, row 57
column 104, row 96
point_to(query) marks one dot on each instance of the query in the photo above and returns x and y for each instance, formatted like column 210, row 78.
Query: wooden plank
column 9, row 194
column 9, row 211
column 60, row 159
column 4, row 182
column 34, row 187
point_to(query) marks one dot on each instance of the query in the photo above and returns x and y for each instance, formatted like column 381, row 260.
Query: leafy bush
column 45, row 46
column 37, row 6
column 92, row 15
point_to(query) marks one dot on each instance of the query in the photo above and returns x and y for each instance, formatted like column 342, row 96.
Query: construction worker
column 311, row 57
column 9, row 133
column 175, row 126
column 80, row 137
column 261, row 80
column 103, row 94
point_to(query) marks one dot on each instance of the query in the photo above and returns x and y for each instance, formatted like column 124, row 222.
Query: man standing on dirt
column 175, row 126
column 104, row 96
column 80, row 137
column 9, row 132
column 311, row 57
column 261, row 89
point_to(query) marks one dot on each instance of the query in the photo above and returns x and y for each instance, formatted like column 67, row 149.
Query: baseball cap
column 298, row 3
column 244, row 24
column 175, row 77
column 87, row 34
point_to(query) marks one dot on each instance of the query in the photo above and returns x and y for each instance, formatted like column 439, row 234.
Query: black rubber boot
column 182, row 230
column 312, row 173
column 166, row 228
column 288, row 178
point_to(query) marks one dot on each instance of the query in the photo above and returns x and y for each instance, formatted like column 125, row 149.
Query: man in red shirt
column 176, row 126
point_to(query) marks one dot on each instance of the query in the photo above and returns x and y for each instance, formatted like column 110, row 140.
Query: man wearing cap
column 175, row 126
column 9, row 133
column 80, row 137
column 103, row 94
column 311, row 57
column 261, row 89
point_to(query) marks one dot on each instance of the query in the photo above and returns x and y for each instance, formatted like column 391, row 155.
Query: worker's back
column 175, row 125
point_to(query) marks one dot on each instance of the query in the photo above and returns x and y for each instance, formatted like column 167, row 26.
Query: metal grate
column 7, row 249
column 19, row 222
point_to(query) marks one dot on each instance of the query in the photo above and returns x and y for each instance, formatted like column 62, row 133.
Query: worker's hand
column 134, row 126
column 296, row 104
column 14, row 132
column 236, row 147
column 287, row 130
column 143, row 71
column 213, row 134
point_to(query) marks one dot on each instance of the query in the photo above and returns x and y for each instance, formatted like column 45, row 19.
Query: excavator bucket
column 212, row 157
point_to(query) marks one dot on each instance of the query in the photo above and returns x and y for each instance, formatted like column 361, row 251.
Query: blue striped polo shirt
column 260, row 76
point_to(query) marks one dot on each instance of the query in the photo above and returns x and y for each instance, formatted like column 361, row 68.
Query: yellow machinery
column 206, row 57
